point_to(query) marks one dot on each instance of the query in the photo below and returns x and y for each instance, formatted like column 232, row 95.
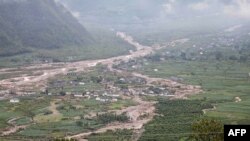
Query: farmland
column 69, row 116
column 135, row 95
column 219, row 67
column 123, row 70
column 222, row 82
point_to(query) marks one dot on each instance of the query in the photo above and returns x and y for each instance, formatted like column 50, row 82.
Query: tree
column 218, row 55
column 233, row 57
column 183, row 55
column 96, row 79
column 155, row 58
column 207, row 130
column 62, row 93
column 58, row 139
column 79, row 123
column 13, row 92
column 226, row 70
column 46, row 91
column 243, row 59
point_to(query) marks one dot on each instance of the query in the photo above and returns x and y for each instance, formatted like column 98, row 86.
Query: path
column 13, row 128
column 210, row 109
column 134, row 113
column 53, row 107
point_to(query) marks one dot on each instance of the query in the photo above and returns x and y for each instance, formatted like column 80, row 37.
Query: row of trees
column 109, row 117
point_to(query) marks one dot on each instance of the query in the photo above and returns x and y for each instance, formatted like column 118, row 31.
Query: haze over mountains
column 155, row 19
column 128, row 13
column 55, row 28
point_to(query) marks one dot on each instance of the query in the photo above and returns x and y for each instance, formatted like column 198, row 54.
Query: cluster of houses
column 105, row 97
column 150, row 91
column 12, row 95
column 131, row 80
column 112, row 87
column 108, row 98
column 131, row 64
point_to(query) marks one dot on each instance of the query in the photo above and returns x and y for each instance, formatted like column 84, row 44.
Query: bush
column 207, row 130
column 48, row 112
column 79, row 123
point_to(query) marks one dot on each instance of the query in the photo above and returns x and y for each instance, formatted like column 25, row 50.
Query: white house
column 101, row 100
column 78, row 95
column 114, row 95
column 104, row 94
column 14, row 100
column 114, row 100
column 81, row 83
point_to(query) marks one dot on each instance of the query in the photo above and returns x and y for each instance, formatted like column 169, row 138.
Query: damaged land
column 81, row 94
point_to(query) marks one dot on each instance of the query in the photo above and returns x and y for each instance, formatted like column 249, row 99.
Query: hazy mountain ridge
column 161, row 15
column 43, row 24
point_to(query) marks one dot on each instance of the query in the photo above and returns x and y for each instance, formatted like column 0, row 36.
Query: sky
column 145, row 14
column 233, row 8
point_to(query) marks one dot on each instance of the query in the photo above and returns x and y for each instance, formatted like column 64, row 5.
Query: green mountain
column 34, row 31
column 26, row 25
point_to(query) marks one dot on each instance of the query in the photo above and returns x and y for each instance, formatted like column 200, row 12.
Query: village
column 103, row 85
column 98, row 83
column 88, row 96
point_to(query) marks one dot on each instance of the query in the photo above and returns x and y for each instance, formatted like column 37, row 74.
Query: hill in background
column 45, row 30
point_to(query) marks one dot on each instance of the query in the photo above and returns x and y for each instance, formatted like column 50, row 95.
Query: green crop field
column 118, row 135
column 27, row 108
column 174, row 119
column 220, row 88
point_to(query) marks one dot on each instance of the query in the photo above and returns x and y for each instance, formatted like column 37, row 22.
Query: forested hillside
column 40, row 24
column 41, row 30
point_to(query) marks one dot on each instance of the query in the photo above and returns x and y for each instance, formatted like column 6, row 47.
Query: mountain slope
column 37, row 31
column 26, row 25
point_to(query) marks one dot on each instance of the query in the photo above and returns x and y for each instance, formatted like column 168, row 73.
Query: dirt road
column 53, row 107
